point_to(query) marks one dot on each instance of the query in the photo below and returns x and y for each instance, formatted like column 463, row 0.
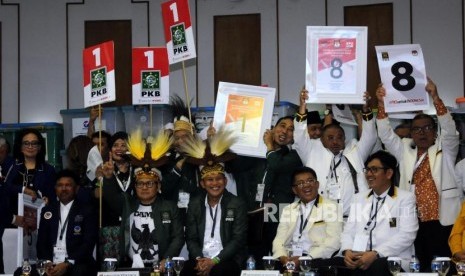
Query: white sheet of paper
column 343, row 114
column 119, row 273
column 402, row 71
column 94, row 159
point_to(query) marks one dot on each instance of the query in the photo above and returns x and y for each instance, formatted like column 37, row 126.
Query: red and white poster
column 179, row 34
column 336, row 65
column 99, row 74
column 150, row 76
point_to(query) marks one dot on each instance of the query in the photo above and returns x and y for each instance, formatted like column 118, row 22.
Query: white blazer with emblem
column 396, row 224
column 314, row 155
column 324, row 224
column 442, row 157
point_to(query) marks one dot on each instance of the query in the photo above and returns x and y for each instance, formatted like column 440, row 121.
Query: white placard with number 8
column 402, row 71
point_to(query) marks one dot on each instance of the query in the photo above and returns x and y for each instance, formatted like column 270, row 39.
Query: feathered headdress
column 211, row 154
column 147, row 155
column 180, row 114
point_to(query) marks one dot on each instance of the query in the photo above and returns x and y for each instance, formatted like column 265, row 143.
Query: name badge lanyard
column 334, row 166
column 303, row 223
column 63, row 227
column 124, row 185
column 373, row 218
column 212, row 234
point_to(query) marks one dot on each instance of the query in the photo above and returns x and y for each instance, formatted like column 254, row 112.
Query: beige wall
column 49, row 40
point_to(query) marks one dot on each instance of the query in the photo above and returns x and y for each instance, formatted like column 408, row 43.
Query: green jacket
column 165, row 214
column 233, row 228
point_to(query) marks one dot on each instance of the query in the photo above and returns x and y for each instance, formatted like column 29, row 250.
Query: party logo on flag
column 150, row 83
column 98, row 81
column 178, row 35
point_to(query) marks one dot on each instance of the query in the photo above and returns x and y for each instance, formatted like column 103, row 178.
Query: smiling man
column 216, row 228
column 310, row 226
column 151, row 228
column 382, row 221
column 427, row 168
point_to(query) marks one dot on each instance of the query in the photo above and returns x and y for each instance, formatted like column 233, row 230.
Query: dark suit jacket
column 44, row 179
column 233, row 228
column 175, row 180
column 165, row 214
column 81, row 233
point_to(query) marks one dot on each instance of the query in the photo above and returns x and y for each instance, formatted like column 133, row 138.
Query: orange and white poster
column 150, row 76
column 247, row 110
column 179, row 34
column 244, row 114
column 99, row 74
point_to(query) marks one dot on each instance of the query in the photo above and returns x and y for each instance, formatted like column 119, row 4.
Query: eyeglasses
column 423, row 129
column 150, row 184
column 32, row 144
column 305, row 183
column 373, row 170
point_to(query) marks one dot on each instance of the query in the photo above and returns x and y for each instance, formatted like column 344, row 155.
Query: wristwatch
column 328, row 111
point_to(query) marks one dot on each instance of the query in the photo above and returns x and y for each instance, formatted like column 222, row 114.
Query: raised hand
column 108, row 167
column 380, row 94
column 303, row 97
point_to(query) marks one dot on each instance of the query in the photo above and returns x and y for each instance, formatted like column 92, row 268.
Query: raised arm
column 391, row 141
column 302, row 141
column 368, row 135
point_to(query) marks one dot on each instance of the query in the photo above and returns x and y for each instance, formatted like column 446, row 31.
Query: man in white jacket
column 427, row 169
column 382, row 221
column 339, row 164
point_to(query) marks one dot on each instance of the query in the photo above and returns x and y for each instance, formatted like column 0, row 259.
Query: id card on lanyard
column 59, row 250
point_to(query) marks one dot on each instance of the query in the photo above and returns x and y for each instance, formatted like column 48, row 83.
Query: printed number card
column 179, row 35
column 150, row 76
column 335, row 70
column 402, row 70
column 99, row 74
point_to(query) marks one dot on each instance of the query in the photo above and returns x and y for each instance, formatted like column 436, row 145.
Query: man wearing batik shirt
column 427, row 168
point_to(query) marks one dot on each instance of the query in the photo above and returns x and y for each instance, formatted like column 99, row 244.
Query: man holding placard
column 339, row 164
column 427, row 169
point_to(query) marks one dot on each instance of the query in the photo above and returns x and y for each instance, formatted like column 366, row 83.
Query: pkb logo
column 98, row 84
column 150, row 83
column 178, row 36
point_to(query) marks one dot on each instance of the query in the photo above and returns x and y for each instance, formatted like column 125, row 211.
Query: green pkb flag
column 99, row 78
column 178, row 34
column 150, row 80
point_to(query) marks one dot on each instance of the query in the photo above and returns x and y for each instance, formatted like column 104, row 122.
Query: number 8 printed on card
column 402, row 71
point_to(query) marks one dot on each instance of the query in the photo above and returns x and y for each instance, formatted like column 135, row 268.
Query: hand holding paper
column 380, row 94
column 432, row 90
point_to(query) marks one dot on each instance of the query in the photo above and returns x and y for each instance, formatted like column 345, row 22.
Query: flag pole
column 151, row 121
column 101, row 152
column 186, row 91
